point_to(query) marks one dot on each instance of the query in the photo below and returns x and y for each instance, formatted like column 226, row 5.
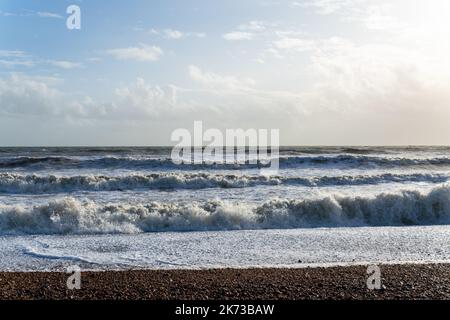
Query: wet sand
column 398, row 282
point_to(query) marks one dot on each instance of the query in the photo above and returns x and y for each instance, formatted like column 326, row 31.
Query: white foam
column 75, row 216
column 219, row 249
column 13, row 183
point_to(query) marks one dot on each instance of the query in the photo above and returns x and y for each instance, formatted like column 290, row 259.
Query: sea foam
column 71, row 216
column 34, row 184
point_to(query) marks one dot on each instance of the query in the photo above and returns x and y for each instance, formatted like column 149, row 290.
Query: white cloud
column 142, row 53
column 297, row 44
column 15, row 58
column 16, row 63
column 45, row 14
column 238, row 35
column 219, row 82
column 368, row 78
column 29, row 13
column 64, row 64
column 38, row 96
column 376, row 16
column 12, row 54
column 94, row 59
column 18, row 58
column 380, row 85
column 198, row 34
column 218, row 97
column 250, row 30
column 144, row 100
column 253, row 25
column 152, row 31
column 238, row 100
column 21, row 94
column 326, row 7
column 174, row 34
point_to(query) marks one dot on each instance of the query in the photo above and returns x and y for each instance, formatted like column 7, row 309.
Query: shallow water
column 218, row 249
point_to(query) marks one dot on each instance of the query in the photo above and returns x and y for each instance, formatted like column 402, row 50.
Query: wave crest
column 70, row 216
column 21, row 184
column 40, row 163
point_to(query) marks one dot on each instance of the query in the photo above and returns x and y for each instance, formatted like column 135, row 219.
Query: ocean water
column 129, row 207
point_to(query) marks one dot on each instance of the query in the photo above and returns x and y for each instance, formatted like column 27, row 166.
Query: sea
column 104, row 208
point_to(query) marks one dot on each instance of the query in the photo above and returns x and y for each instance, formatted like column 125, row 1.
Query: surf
column 74, row 216
column 11, row 183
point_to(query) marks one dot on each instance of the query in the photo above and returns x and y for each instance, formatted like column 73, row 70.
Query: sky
column 323, row 72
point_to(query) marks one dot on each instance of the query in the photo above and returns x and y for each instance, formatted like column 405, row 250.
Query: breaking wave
column 70, row 216
column 33, row 184
column 39, row 163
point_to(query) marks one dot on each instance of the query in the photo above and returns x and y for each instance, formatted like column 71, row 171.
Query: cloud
column 94, row 59
column 15, row 58
column 297, row 44
column 253, row 25
column 26, row 95
column 365, row 86
column 151, row 31
column 29, row 13
column 12, row 54
column 219, row 82
column 65, row 64
column 141, row 99
column 217, row 98
column 238, row 35
column 18, row 58
column 326, row 7
column 377, row 16
column 239, row 102
column 250, row 30
column 365, row 78
column 142, row 53
column 366, row 89
column 384, row 87
column 45, row 14
column 22, row 95
column 174, row 34
column 16, row 63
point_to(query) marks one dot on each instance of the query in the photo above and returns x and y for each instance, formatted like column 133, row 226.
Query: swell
column 363, row 161
column 39, row 163
column 34, row 184
column 70, row 216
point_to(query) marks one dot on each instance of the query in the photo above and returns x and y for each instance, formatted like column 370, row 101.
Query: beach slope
column 426, row 281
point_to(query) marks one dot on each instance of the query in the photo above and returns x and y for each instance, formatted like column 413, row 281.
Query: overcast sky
column 325, row 72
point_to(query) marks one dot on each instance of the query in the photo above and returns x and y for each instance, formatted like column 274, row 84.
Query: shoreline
column 399, row 281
